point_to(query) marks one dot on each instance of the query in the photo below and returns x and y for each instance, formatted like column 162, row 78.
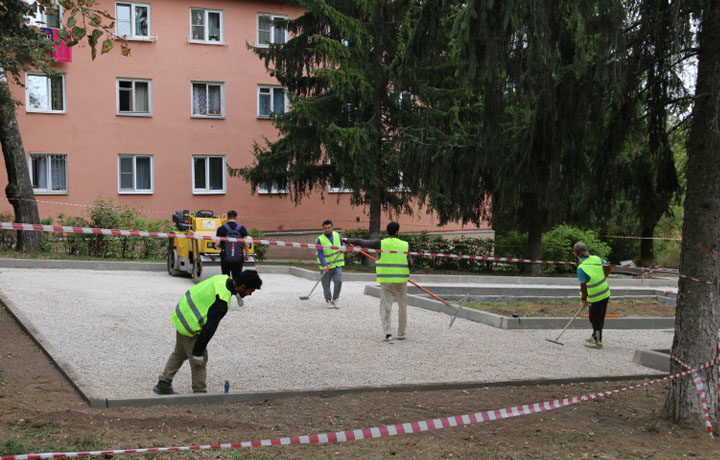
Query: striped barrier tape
column 666, row 238
column 142, row 233
column 375, row 432
column 700, row 385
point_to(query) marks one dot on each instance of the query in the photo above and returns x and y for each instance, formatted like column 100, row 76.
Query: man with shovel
column 331, row 262
column 594, row 289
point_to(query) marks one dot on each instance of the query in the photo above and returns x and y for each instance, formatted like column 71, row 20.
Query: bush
column 260, row 249
column 557, row 244
column 424, row 242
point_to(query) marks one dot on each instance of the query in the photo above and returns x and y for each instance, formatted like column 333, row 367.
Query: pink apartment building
column 159, row 128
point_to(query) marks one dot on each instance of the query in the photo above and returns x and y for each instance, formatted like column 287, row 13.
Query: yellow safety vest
column 598, row 287
column 392, row 268
column 190, row 315
column 329, row 254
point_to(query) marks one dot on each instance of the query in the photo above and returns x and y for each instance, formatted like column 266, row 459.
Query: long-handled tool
column 567, row 326
column 306, row 297
column 456, row 307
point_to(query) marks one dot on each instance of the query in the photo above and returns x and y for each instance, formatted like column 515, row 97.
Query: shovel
column 567, row 326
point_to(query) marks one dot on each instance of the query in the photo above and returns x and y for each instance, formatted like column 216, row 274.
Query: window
column 206, row 26
column 271, row 99
column 46, row 16
column 268, row 33
column 274, row 189
column 135, row 173
column 134, row 97
column 48, row 172
column 208, row 174
column 133, row 20
column 208, row 99
column 45, row 94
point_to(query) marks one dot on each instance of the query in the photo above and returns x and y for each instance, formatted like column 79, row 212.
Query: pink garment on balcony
column 63, row 53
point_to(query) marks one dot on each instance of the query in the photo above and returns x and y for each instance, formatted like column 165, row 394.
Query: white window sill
column 267, row 117
column 209, row 192
column 135, row 192
column 339, row 190
column 134, row 114
column 53, row 112
column 137, row 38
column 211, row 117
column 267, row 45
column 208, row 42
column 49, row 192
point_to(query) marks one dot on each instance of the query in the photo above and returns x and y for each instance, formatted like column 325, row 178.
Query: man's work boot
column 164, row 387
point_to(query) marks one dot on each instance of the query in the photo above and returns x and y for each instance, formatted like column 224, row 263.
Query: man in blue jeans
column 331, row 262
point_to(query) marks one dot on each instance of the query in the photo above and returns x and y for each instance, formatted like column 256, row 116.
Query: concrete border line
column 254, row 396
column 66, row 369
column 654, row 359
column 505, row 322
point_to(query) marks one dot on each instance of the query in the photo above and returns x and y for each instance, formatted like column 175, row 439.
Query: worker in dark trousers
column 594, row 289
column 196, row 318
column 233, row 253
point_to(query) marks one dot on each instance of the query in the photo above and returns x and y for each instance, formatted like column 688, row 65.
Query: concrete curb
column 239, row 397
column 65, row 368
column 505, row 322
column 654, row 359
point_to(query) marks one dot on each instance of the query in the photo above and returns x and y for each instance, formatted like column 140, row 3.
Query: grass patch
column 567, row 308
column 12, row 447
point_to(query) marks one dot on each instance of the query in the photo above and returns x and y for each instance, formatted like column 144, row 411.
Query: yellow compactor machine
column 190, row 255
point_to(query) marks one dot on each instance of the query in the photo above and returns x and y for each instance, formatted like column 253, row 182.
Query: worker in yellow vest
column 196, row 318
column 330, row 262
column 392, row 271
column 594, row 290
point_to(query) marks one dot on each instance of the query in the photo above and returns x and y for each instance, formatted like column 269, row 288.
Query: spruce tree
column 345, row 107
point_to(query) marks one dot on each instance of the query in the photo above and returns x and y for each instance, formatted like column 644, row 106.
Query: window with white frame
column 206, row 26
column 208, row 99
column 44, row 93
column 268, row 32
column 48, row 172
column 273, row 189
column 208, row 174
column 134, row 97
column 49, row 16
column 271, row 99
column 135, row 173
column 132, row 20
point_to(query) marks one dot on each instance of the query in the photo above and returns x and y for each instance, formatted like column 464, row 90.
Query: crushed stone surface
column 114, row 330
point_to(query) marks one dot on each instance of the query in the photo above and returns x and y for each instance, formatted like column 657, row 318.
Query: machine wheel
column 197, row 270
column 172, row 260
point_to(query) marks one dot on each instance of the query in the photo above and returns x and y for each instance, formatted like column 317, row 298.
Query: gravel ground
column 114, row 329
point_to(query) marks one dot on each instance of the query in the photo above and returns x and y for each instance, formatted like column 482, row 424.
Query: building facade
column 158, row 129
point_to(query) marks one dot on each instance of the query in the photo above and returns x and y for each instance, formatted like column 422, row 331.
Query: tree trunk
column 19, row 189
column 534, row 249
column 697, row 319
column 647, row 252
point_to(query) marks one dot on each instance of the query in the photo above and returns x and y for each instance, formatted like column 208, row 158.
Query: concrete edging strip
column 505, row 322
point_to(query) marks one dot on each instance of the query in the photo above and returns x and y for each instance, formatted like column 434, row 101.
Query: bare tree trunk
column 647, row 246
column 697, row 317
column 534, row 249
column 19, row 189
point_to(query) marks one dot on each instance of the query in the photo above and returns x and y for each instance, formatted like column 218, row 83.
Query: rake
column 582, row 307
column 456, row 307
column 306, row 297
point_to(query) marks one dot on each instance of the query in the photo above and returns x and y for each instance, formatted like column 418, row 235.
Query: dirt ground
column 40, row 412
column 619, row 307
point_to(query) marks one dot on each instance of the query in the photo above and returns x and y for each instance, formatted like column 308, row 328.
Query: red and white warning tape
column 666, row 238
column 375, row 432
column 140, row 233
column 700, row 385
